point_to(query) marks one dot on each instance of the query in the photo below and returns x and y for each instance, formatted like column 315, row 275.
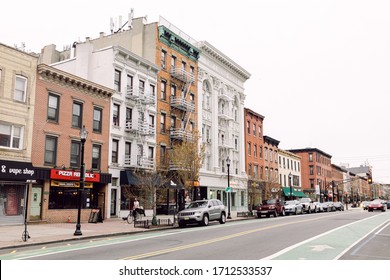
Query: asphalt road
column 322, row 236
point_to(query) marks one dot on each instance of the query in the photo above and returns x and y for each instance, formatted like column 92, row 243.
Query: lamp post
column 83, row 137
column 229, row 190
column 289, row 183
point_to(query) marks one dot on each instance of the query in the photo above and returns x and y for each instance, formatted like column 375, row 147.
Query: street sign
column 228, row 189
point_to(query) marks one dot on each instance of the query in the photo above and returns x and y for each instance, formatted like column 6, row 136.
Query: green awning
column 297, row 193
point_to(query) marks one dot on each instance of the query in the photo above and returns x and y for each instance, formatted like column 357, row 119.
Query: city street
column 322, row 236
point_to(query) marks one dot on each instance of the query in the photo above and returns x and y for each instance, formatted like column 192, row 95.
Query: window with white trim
column 20, row 88
column 11, row 136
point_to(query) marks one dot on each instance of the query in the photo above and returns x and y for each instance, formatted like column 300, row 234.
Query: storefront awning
column 127, row 177
column 297, row 193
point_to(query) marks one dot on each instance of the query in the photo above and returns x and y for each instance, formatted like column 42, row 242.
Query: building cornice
column 73, row 80
column 214, row 52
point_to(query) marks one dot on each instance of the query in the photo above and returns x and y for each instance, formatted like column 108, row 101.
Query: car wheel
column 309, row 210
column 205, row 220
column 275, row 213
column 295, row 212
column 182, row 225
column 283, row 212
column 222, row 220
column 258, row 215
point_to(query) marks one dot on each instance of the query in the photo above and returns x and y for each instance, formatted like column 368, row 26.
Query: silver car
column 293, row 207
column 202, row 212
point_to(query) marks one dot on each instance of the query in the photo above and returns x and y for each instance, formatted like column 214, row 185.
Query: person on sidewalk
column 137, row 209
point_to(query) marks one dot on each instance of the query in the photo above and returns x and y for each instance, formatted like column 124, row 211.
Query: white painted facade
column 133, row 113
column 221, row 121
column 290, row 164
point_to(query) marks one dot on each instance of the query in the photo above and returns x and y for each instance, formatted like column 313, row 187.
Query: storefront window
column 66, row 198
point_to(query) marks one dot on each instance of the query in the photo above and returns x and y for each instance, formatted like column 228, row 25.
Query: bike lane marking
column 332, row 244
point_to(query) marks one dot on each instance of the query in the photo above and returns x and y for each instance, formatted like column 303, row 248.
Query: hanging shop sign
column 16, row 170
column 70, row 175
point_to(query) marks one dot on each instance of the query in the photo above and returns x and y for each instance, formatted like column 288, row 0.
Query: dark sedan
column 377, row 205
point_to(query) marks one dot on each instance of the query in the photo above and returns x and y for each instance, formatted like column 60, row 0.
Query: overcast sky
column 320, row 69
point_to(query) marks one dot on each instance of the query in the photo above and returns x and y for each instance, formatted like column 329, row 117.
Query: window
column 115, row 147
column 270, row 155
column 152, row 89
column 249, row 148
column 236, row 144
column 163, row 59
column 248, row 129
column 255, row 171
column 261, row 151
column 20, row 88
column 96, row 152
column 162, row 122
column 173, row 62
column 77, row 113
column 97, row 119
column 255, row 150
column 141, row 87
column 310, row 157
column 117, row 80
column 127, row 152
column 183, row 65
column 254, row 129
column 311, row 170
column 163, row 90
column 150, row 153
column 75, row 148
column 163, row 151
column 259, row 131
column 173, row 91
column 10, row 136
column 53, row 106
column 129, row 84
column 50, row 150
column 115, row 114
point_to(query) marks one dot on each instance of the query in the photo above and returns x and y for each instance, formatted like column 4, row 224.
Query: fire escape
column 140, row 128
column 183, row 103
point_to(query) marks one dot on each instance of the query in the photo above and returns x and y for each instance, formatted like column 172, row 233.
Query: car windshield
column 376, row 202
column 271, row 201
column 197, row 204
column 291, row 202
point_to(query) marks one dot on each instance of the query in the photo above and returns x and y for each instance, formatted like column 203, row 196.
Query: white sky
column 320, row 68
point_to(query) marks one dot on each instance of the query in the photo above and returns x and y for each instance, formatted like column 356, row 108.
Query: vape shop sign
column 70, row 175
column 16, row 170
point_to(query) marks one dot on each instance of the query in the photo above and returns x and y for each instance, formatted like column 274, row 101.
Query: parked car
column 339, row 206
column 328, row 206
column 318, row 206
column 377, row 204
column 273, row 207
column 365, row 204
column 308, row 205
column 201, row 212
column 388, row 204
column 293, row 207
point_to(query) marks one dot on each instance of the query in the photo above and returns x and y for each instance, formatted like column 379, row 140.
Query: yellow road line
column 201, row 243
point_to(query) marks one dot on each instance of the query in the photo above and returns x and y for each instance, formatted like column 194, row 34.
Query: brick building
column 66, row 104
column 254, row 160
column 316, row 173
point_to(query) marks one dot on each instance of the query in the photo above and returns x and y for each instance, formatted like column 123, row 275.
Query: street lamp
column 289, row 183
column 83, row 137
column 229, row 190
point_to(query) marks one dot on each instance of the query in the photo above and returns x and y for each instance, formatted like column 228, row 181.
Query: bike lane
column 334, row 243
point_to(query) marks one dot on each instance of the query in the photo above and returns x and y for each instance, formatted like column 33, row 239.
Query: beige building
column 17, row 99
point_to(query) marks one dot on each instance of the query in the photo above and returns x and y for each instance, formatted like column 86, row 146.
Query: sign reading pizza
column 70, row 175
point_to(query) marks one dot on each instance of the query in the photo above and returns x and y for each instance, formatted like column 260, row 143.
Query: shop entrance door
column 36, row 203
column 113, row 203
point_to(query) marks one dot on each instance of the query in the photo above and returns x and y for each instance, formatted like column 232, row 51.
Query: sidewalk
column 44, row 233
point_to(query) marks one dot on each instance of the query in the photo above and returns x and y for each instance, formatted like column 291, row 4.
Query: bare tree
column 187, row 159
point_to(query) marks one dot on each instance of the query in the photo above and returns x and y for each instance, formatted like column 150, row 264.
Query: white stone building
column 221, row 120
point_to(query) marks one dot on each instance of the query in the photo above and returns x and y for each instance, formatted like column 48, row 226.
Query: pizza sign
column 70, row 175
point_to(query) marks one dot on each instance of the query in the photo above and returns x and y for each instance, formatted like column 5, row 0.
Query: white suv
column 202, row 211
